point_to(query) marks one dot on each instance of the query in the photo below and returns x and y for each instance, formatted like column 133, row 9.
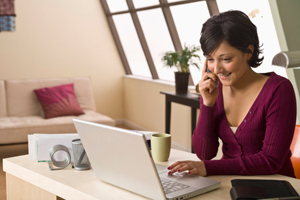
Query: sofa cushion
column 2, row 99
column 58, row 101
column 17, row 129
column 21, row 100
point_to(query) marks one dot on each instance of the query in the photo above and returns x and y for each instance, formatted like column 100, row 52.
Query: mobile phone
column 208, row 69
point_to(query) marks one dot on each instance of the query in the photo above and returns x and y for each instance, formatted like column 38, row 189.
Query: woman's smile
column 224, row 76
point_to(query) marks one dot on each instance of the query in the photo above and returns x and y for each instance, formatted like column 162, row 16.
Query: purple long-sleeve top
column 261, row 144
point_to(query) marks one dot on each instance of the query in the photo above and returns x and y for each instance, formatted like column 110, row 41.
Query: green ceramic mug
column 160, row 146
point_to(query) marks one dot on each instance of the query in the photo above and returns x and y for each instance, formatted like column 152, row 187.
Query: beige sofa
column 21, row 113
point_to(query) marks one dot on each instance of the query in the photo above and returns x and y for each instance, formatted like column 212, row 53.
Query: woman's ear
column 250, row 49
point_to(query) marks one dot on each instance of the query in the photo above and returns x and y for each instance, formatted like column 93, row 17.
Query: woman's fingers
column 193, row 167
column 206, row 75
column 209, row 75
column 193, row 171
column 208, row 85
column 175, row 167
column 204, row 67
column 181, row 167
column 208, row 80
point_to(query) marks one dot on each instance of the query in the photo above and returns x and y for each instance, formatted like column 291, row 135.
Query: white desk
column 30, row 180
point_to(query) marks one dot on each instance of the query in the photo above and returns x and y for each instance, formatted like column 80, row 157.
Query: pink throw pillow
column 58, row 101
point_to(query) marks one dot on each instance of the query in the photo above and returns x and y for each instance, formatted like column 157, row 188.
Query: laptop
column 122, row 158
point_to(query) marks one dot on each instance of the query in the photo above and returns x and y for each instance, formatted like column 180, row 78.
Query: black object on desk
column 188, row 99
column 243, row 189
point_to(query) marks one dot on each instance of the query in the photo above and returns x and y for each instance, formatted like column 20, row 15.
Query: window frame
column 165, row 6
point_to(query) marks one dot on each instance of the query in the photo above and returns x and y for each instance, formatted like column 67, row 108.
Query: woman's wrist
column 209, row 104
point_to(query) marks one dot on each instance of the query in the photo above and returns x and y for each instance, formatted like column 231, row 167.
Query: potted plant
column 182, row 61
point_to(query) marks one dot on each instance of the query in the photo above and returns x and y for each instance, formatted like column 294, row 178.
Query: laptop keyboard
column 172, row 186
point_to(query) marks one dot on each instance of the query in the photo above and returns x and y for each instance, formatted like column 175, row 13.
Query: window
column 117, row 5
column 145, row 30
column 131, row 45
column 189, row 27
column 158, row 40
column 143, row 3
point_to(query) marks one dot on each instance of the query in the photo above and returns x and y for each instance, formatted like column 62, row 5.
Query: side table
column 188, row 99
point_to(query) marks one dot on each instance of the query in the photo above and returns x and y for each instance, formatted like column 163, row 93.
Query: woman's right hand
column 208, row 86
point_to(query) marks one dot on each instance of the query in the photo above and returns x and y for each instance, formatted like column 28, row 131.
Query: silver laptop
column 122, row 158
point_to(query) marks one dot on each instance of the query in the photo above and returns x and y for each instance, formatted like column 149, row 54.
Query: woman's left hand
column 193, row 167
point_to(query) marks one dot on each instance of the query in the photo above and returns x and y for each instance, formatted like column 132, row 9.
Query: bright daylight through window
column 145, row 30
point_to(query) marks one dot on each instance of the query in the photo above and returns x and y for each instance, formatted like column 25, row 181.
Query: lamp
column 287, row 59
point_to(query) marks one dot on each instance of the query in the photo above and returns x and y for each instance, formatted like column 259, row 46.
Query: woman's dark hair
column 234, row 27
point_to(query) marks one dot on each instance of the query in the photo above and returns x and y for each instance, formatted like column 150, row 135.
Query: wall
column 286, row 14
column 67, row 38
column 145, row 106
column 289, row 15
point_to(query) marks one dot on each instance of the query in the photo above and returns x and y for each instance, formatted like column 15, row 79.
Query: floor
column 7, row 151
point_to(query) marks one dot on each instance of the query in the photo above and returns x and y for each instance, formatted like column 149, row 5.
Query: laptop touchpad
column 160, row 168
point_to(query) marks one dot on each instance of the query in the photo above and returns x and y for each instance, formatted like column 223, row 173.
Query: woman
column 253, row 114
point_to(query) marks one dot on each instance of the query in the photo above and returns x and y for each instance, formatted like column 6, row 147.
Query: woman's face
column 228, row 63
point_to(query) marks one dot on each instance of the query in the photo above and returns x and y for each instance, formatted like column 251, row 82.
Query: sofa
column 21, row 112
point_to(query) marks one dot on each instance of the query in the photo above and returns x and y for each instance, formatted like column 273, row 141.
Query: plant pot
column 181, row 82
